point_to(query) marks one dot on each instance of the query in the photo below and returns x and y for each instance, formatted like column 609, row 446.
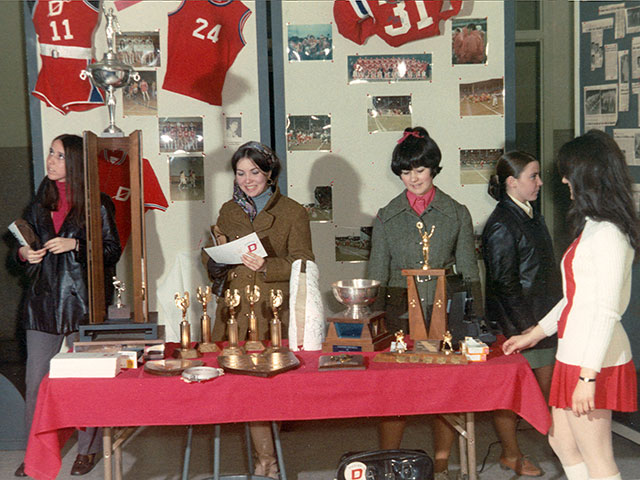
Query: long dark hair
column 596, row 168
column 264, row 158
column 511, row 164
column 416, row 149
column 48, row 195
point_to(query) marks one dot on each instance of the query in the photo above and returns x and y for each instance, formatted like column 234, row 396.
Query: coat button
column 249, row 276
column 234, row 275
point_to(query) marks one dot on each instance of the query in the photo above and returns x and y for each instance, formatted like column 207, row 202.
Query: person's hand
column 30, row 255
column 60, row 245
column 583, row 398
column 254, row 262
column 521, row 342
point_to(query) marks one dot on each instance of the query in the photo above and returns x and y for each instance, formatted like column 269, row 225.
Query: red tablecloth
column 135, row 397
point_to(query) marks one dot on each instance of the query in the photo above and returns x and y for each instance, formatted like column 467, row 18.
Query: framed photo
column 482, row 98
column 309, row 132
column 141, row 98
column 354, row 248
column 477, row 165
column 233, row 131
column 138, row 49
column 309, row 42
column 321, row 210
column 389, row 68
column 180, row 134
column 186, row 177
column 388, row 114
column 469, row 41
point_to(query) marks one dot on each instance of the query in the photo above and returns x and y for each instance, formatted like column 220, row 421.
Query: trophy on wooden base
column 357, row 329
column 204, row 297
column 275, row 326
column 253, row 343
column 232, row 300
column 185, row 350
column 119, row 311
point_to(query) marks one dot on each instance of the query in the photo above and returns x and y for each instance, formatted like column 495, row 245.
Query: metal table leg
column 106, row 452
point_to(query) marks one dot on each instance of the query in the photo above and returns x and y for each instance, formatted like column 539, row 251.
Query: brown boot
column 266, row 462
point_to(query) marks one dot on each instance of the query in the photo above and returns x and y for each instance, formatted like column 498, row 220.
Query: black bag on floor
column 386, row 465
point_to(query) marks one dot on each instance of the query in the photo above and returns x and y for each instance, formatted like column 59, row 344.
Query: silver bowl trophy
column 357, row 329
column 109, row 73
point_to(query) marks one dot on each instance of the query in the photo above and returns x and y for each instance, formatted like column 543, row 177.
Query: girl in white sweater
column 594, row 372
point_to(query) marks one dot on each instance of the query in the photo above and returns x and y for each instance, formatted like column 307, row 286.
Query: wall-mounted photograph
column 321, row 210
column 482, row 98
column 138, row 49
column 309, row 132
column 469, row 41
column 141, row 97
column 389, row 68
column 309, row 42
column 180, row 134
column 233, row 131
column 388, row 114
column 354, row 248
column 186, row 178
column 477, row 165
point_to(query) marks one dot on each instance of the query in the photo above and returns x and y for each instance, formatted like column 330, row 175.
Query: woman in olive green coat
column 397, row 244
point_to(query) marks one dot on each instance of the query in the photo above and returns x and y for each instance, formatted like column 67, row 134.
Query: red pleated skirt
column 616, row 387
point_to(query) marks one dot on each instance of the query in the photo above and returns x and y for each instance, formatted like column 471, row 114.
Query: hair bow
column 408, row 134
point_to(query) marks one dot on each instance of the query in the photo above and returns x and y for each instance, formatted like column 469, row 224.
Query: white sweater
column 593, row 336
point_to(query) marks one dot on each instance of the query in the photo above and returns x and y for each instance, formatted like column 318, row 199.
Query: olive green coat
column 396, row 245
column 283, row 229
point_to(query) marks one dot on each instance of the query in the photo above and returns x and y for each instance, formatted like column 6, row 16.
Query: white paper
column 600, row 105
column 610, row 8
column 628, row 139
column 597, row 50
column 13, row 228
column 635, row 57
column 611, row 61
column 621, row 25
column 231, row 252
column 599, row 24
column 623, row 82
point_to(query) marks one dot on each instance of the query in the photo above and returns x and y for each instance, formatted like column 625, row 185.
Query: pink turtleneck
column 60, row 214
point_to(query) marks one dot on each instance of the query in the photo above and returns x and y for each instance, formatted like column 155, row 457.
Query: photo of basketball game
column 181, row 134
column 477, row 166
column 482, row 98
column 389, row 114
column 309, row 132
column 186, row 178
column 389, row 68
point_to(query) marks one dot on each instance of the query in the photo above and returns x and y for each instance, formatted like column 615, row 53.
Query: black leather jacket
column 523, row 281
column 57, row 298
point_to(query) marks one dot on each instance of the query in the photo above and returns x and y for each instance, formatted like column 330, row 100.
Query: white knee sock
column 614, row 477
column 578, row 471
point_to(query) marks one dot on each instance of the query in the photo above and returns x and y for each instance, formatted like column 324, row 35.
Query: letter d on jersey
column 355, row 471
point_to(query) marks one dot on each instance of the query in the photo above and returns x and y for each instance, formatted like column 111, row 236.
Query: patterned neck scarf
column 245, row 201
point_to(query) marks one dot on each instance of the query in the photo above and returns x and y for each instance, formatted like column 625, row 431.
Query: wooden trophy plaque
column 365, row 334
column 417, row 324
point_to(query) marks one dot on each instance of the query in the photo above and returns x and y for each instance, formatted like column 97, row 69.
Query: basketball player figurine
column 232, row 300
column 275, row 326
column 185, row 350
column 425, row 243
column 253, row 343
column 204, row 297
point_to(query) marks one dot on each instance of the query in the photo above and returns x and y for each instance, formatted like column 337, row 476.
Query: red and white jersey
column 395, row 21
column 65, row 31
column 205, row 37
column 113, row 169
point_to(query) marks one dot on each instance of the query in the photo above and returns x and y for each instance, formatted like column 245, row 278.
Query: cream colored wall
column 359, row 165
column 181, row 229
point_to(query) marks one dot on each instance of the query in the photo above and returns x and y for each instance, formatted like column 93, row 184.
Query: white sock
column 578, row 471
column 617, row 476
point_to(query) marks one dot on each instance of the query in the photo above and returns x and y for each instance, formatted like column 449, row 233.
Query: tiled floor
column 312, row 450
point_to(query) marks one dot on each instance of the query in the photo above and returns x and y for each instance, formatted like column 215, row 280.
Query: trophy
column 185, row 350
column 119, row 311
column 425, row 243
column 110, row 73
column 204, row 297
column 275, row 326
column 253, row 343
column 232, row 300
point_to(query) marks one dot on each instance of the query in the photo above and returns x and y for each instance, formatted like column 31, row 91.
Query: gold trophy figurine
column 425, row 243
column 232, row 300
column 253, row 343
column 275, row 326
column 185, row 350
column 447, row 347
column 204, row 297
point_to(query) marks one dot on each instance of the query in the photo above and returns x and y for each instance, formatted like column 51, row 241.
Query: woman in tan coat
column 283, row 228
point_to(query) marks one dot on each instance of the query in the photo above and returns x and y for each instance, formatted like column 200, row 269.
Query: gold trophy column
column 275, row 326
column 253, row 343
column 204, row 297
column 232, row 300
column 185, row 350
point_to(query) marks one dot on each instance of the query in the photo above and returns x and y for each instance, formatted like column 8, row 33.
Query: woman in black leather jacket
column 523, row 281
column 57, row 298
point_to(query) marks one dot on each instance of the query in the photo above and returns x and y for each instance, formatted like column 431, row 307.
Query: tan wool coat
column 283, row 228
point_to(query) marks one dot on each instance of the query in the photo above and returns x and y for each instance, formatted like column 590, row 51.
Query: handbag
column 399, row 464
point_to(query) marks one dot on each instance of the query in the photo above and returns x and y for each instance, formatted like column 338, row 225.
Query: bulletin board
column 344, row 114
column 174, row 236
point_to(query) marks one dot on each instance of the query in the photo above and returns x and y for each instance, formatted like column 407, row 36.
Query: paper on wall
column 231, row 252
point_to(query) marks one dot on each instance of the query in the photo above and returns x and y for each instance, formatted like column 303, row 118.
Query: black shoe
column 84, row 464
column 20, row 471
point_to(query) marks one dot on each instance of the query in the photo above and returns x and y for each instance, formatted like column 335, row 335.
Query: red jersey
column 205, row 37
column 65, row 31
column 395, row 21
column 113, row 169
